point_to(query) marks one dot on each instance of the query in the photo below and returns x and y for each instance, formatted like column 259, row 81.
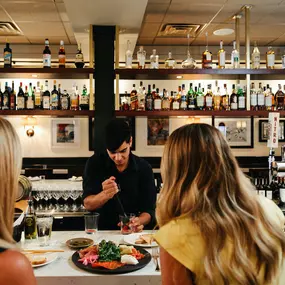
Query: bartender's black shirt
column 137, row 195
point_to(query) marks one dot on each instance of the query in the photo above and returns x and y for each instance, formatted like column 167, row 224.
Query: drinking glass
column 74, row 194
column 125, row 223
column 91, row 222
column 65, row 195
column 56, row 195
column 44, row 228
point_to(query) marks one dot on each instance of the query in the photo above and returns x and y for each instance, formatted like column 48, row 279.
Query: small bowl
column 78, row 243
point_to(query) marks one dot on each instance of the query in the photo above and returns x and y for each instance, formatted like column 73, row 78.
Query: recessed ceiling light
column 223, row 32
column 179, row 76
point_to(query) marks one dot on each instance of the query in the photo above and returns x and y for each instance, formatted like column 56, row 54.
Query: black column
column 104, row 37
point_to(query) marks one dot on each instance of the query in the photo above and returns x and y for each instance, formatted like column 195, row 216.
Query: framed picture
column 157, row 130
column 237, row 131
column 263, row 130
column 130, row 120
column 65, row 133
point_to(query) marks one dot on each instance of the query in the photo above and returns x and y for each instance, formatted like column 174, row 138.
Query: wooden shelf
column 46, row 73
column 192, row 73
column 189, row 113
column 50, row 113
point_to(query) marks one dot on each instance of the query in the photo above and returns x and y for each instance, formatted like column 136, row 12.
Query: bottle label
column 7, row 58
column 64, row 103
column 209, row 101
column 157, row 104
column 129, row 60
column 283, row 61
column 141, row 60
column 74, row 102
column 30, row 227
column 5, row 102
column 149, row 104
column 282, row 194
column 30, row 103
column 79, row 57
column 154, row 64
column 47, row 60
column 183, row 105
column 46, row 102
column 21, row 103
column 270, row 60
column 54, row 100
column 253, row 99
column 38, row 100
column 261, row 193
column 222, row 58
column 268, row 101
column 260, row 99
column 200, row 101
column 255, row 61
column 12, row 102
column 208, row 56
column 191, row 104
column 166, row 104
column 84, row 100
column 175, row 105
column 234, row 106
column 269, row 194
column 61, row 59
column 241, row 102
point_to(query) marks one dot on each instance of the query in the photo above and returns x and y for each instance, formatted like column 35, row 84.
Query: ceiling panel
column 37, row 12
column 150, row 29
column 198, row 1
column 62, row 12
column 3, row 16
column 145, row 41
column 159, row 1
column 68, row 29
column 52, row 40
column 171, row 41
column 15, row 40
column 72, row 40
column 155, row 12
column 255, row 2
column 44, row 29
column 23, row 1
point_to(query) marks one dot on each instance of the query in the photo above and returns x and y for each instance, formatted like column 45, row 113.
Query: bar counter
column 62, row 271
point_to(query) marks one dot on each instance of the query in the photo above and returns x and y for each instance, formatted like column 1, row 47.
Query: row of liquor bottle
column 207, row 59
column 218, row 98
column 79, row 59
column 38, row 98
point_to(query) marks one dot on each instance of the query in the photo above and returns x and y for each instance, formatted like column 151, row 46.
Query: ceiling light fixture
column 179, row 76
column 223, row 32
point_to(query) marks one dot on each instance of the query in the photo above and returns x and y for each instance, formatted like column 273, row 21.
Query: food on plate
column 109, row 255
column 36, row 259
column 129, row 259
column 145, row 239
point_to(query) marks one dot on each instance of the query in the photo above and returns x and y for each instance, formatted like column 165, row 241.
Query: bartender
column 119, row 176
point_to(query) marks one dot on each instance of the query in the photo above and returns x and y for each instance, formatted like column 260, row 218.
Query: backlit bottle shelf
column 51, row 113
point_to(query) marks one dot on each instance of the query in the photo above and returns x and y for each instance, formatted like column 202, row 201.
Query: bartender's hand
column 110, row 187
column 136, row 225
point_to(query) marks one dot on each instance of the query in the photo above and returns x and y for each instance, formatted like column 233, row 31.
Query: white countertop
column 56, row 185
column 63, row 272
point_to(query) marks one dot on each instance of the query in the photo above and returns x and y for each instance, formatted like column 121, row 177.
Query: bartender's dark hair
column 117, row 132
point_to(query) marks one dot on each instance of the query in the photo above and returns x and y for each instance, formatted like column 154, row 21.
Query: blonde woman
column 214, row 228
column 15, row 269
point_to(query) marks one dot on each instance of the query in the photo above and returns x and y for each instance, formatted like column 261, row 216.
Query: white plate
column 75, row 180
column 131, row 239
column 50, row 258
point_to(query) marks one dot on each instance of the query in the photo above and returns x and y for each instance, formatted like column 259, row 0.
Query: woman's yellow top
column 182, row 239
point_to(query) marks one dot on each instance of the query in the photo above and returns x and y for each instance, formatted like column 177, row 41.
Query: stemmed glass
column 189, row 62
column 65, row 196
column 56, row 195
column 81, row 207
column 47, row 197
column 74, row 194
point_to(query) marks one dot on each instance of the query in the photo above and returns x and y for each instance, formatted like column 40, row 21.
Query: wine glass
column 74, row 194
column 65, row 196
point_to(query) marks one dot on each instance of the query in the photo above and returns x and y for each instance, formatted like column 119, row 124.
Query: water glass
column 91, row 222
column 44, row 228
column 125, row 222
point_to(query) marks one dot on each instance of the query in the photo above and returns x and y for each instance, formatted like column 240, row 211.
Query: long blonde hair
column 201, row 179
column 10, row 167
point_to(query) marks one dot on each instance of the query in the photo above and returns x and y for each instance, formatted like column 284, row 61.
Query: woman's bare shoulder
column 15, row 269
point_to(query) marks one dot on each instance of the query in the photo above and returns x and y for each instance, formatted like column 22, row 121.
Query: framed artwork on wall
column 263, row 130
column 65, row 133
column 157, row 130
column 237, row 131
column 131, row 121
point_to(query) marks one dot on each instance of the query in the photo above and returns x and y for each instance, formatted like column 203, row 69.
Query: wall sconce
column 29, row 123
column 241, row 124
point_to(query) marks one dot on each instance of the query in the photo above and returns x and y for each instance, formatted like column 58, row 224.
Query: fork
column 155, row 256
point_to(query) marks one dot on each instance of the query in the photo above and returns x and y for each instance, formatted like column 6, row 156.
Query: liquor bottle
column 268, row 190
column 209, row 99
column 31, row 98
column 129, row 56
column 157, row 102
column 13, row 98
column 74, row 102
column 217, row 100
column 124, row 105
column 7, row 56
column 270, row 58
column 46, row 97
column 183, row 99
column 46, row 55
column 191, row 98
column 170, row 62
column 149, row 99
column 260, row 98
column 38, row 97
column 207, row 56
column 235, row 57
column 255, row 57
column 141, row 97
column 179, row 94
column 279, row 98
column 54, row 97
column 165, row 101
column 283, row 59
column 61, row 55
column 134, row 99
column 175, row 104
column 6, row 98
column 189, row 62
column 65, row 101
column 241, row 98
column 221, row 56
column 234, row 99
column 30, row 227
column 253, row 98
column 268, row 98
column 225, row 99
column 200, row 98
column 1, row 97
column 141, row 56
column 21, row 98
column 84, row 99
column 154, row 60
column 79, row 59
